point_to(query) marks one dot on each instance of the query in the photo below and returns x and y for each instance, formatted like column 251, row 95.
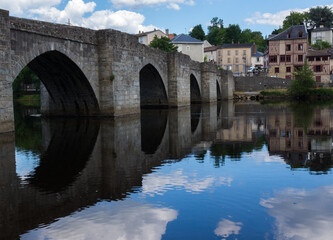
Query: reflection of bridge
column 106, row 72
column 107, row 160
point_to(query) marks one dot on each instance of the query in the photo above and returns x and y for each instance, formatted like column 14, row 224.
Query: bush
column 303, row 83
column 322, row 92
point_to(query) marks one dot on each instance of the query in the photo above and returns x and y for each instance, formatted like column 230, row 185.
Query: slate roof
column 258, row 54
column 237, row 45
column 323, row 29
column 146, row 33
column 183, row 38
column 317, row 53
column 293, row 31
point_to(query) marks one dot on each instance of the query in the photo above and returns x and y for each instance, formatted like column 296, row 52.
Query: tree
column 320, row 44
column 321, row 16
column 26, row 76
column 303, row 82
column 216, row 32
column 198, row 33
column 295, row 18
column 163, row 44
column 232, row 33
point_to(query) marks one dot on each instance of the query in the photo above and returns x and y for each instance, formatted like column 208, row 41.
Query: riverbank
column 29, row 100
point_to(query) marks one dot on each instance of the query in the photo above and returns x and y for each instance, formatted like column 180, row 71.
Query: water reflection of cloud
column 119, row 220
column 302, row 214
column 26, row 162
column 158, row 183
column 225, row 228
column 264, row 157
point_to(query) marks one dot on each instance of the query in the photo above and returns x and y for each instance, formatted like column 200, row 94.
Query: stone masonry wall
column 244, row 84
column 6, row 93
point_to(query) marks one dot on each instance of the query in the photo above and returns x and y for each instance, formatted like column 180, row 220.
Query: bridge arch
column 69, row 89
column 152, row 88
column 195, row 93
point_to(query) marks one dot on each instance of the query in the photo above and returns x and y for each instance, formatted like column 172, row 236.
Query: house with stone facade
column 147, row 37
column 235, row 57
column 190, row 46
column 210, row 54
column 321, row 63
column 287, row 51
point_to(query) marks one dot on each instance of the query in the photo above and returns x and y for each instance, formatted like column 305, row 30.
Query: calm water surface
column 218, row 171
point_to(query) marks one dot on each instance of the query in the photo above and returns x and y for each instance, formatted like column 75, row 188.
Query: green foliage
column 304, row 81
column 205, row 59
column 303, row 113
column 322, row 92
column 216, row 32
column 320, row 44
column 320, row 15
column 247, row 36
column 295, row 18
column 112, row 77
column 274, row 93
column 26, row 76
column 198, row 33
column 163, row 44
column 232, row 34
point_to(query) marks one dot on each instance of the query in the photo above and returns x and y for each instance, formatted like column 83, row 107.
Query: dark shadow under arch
column 70, row 91
column 195, row 116
column 218, row 91
column 152, row 89
column 153, row 126
column 195, row 90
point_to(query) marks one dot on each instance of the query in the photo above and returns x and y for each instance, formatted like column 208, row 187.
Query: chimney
column 254, row 48
column 167, row 31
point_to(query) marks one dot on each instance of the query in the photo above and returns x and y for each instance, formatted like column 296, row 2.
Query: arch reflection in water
column 71, row 143
column 153, row 126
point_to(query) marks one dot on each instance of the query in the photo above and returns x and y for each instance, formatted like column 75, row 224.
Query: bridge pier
column 6, row 92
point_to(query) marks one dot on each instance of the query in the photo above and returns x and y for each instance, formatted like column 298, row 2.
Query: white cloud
column 173, row 4
column 126, row 220
column 79, row 13
column 301, row 214
column 20, row 6
column 225, row 228
column 275, row 19
column 157, row 183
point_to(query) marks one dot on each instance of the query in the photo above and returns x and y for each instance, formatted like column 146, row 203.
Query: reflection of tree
column 303, row 114
column 320, row 163
column 28, row 130
column 234, row 150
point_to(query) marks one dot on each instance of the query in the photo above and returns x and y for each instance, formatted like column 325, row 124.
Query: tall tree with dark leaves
column 198, row 33
column 321, row 16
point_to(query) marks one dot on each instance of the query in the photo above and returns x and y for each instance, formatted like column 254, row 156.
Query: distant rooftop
column 237, row 45
column 183, row 38
column 321, row 29
column 140, row 34
column 316, row 53
column 209, row 49
column 258, row 54
column 294, row 32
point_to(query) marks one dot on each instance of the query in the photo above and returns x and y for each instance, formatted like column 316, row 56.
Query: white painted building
column 322, row 33
column 190, row 46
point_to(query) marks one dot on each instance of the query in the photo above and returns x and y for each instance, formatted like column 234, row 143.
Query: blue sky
column 179, row 16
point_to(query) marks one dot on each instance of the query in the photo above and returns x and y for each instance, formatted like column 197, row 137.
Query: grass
column 29, row 100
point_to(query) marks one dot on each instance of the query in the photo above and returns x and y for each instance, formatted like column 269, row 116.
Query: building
column 257, row 59
column 190, row 46
column 210, row 54
column 147, row 37
column 287, row 51
column 320, row 61
column 323, row 34
column 235, row 57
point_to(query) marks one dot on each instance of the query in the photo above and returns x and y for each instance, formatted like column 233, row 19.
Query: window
column 228, row 52
column 288, row 69
column 236, row 52
column 300, row 133
column 236, row 60
column 300, row 34
column 229, row 61
column 288, row 77
column 282, row 58
column 188, row 48
column 288, row 58
column 318, row 59
column 300, row 58
column 272, row 59
column 288, row 47
column 219, row 53
column 288, row 35
column 258, row 59
column 300, row 47
column 325, row 58
column 318, row 68
column 298, row 68
column 277, row 70
column 237, row 68
column 318, row 78
column 311, row 59
column 244, row 52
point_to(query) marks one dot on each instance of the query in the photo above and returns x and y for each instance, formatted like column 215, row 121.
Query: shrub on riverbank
column 274, row 92
column 303, row 82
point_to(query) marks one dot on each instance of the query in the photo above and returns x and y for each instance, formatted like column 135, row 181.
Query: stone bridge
column 99, row 73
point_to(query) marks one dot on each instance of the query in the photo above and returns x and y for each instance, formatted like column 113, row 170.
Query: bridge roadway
column 99, row 73
column 107, row 160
